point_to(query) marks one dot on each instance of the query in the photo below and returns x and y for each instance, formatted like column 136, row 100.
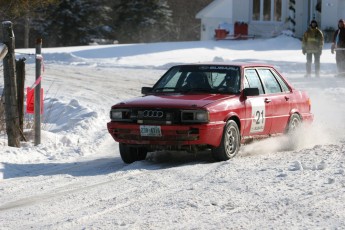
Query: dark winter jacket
column 339, row 38
column 312, row 41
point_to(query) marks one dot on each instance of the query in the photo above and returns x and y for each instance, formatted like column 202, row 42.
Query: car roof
column 239, row 64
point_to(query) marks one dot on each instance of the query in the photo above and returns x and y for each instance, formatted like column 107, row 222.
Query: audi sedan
column 216, row 106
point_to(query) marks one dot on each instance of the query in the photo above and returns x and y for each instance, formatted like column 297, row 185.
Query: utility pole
column 10, row 87
column 37, row 104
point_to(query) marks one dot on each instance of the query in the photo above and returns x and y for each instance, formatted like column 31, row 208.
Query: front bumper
column 172, row 135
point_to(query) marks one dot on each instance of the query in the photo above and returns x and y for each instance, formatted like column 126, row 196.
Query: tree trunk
column 26, row 31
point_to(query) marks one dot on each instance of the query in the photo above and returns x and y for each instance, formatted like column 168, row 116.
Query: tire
column 291, row 131
column 131, row 154
column 230, row 143
column 294, row 122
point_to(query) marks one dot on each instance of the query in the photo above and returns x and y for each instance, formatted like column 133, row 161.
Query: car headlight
column 201, row 116
column 120, row 114
column 116, row 114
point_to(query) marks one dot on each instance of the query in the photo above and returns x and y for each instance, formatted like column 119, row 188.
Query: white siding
column 330, row 13
column 222, row 10
column 241, row 11
column 231, row 11
column 208, row 26
column 302, row 17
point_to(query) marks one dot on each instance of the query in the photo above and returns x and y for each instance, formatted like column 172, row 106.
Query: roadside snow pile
column 66, row 117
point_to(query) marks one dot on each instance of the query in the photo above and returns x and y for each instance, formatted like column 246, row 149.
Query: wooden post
column 37, row 102
column 3, row 51
column 10, row 88
column 20, row 68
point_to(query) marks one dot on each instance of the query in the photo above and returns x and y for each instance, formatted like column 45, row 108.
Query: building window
column 267, row 10
column 277, row 10
column 256, row 10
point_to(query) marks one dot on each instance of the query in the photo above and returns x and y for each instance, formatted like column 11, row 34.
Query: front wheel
column 230, row 143
column 130, row 154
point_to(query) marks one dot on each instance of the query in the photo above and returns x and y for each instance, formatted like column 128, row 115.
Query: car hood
column 176, row 100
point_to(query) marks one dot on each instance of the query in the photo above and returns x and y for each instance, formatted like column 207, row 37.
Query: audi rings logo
column 153, row 113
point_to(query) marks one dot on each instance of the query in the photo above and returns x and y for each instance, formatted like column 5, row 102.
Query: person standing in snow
column 339, row 46
column 312, row 44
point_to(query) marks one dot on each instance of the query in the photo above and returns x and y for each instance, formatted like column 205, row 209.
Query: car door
column 259, row 110
column 276, row 98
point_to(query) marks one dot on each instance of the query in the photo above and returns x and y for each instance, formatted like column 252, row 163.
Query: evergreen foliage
column 75, row 22
column 140, row 21
column 21, row 12
column 78, row 22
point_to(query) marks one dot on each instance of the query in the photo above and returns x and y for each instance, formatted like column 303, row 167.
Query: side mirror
column 146, row 90
column 250, row 92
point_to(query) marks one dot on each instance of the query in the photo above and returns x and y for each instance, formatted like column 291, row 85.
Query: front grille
column 157, row 116
column 154, row 122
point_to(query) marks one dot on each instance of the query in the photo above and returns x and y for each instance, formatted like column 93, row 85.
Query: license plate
column 150, row 131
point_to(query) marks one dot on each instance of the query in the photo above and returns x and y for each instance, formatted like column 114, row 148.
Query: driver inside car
column 197, row 80
column 231, row 82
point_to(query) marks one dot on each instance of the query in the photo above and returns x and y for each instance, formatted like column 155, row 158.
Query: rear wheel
column 129, row 154
column 291, row 130
column 294, row 122
column 230, row 143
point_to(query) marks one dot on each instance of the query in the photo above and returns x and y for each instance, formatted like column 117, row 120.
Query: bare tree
column 186, row 26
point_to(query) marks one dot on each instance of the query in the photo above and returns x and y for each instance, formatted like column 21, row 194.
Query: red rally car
column 213, row 106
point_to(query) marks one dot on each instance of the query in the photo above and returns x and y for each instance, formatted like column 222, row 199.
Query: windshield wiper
column 196, row 90
column 162, row 89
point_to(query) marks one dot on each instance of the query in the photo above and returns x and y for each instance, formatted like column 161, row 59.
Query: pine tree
column 75, row 22
column 143, row 21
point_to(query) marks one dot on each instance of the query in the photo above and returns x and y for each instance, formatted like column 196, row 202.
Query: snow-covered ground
column 76, row 179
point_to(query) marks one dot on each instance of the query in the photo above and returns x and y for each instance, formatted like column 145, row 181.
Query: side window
column 252, row 80
column 245, row 83
column 282, row 83
column 270, row 82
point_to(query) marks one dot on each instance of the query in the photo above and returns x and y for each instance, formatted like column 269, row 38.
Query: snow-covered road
column 76, row 179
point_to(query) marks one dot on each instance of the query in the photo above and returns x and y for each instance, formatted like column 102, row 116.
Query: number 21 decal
column 258, row 115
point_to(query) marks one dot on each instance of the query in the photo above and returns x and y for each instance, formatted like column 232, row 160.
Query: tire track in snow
column 137, row 170
column 146, row 194
column 122, row 172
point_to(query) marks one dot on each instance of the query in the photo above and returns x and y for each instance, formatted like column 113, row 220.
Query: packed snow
column 75, row 179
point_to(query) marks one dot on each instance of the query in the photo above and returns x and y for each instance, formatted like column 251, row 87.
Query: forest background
column 81, row 22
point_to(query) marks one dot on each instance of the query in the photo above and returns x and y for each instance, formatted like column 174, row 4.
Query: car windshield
column 200, row 78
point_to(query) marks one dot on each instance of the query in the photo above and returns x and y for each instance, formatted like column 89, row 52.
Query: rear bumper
column 172, row 135
column 307, row 118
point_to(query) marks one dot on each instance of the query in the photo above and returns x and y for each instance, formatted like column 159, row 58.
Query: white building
column 266, row 18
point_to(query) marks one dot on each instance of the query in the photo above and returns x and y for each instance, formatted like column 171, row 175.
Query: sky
column 75, row 179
